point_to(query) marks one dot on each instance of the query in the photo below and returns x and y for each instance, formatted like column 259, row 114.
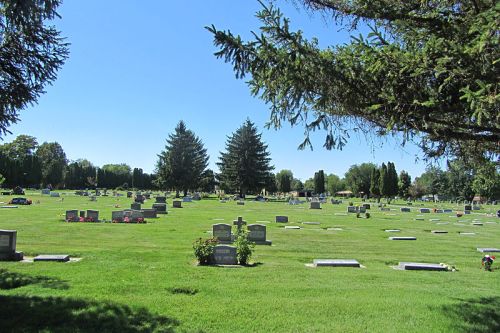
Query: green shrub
column 203, row 250
column 244, row 247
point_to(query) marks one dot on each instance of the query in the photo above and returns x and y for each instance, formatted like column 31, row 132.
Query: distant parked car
column 20, row 201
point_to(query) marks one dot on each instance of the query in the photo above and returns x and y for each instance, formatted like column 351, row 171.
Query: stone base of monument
column 16, row 256
column 418, row 266
column 335, row 263
column 261, row 242
column 52, row 257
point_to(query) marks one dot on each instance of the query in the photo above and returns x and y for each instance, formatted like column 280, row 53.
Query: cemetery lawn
column 144, row 277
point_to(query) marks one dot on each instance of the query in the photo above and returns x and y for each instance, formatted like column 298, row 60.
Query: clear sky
column 137, row 68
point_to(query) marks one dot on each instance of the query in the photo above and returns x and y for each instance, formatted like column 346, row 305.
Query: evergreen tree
column 404, row 184
column 31, row 53
column 181, row 165
column 427, row 69
column 384, row 181
column 245, row 165
column 375, row 183
column 138, row 178
column 319, row 182
column 393, row 179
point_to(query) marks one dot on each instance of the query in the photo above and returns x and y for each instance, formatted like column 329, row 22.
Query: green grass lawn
column 144, row 277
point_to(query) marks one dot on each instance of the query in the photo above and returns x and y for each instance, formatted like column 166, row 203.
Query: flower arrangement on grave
column 140, row 220
column 81, row 219
column 89, row 219
column 203, row 249
column 487, row 261
column 70, row 218
column 126, row 219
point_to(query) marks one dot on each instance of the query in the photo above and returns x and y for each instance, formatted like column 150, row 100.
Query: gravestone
column 8, row 246
column 129, row 194
column 222, row 232
column 417, row 266
column 92, row 198
column 135, row 206
column 224, row 255
column 149, row 213
column 160, row 199
column 488, row 249
column 257, row 234
column 362, row 209
column 405, row 210
column 55, row 194
column 439, row 211
column 424, row 210
column 392, row 230
column 197, row 196
column 439, row 231
column 82, row 214
column 366, row 206
column 281, row 219
column 161, row 208
column 402, row 238
column 139, row 198
column 117, row 216
column 72, row 215
column 187, row 199
column 136, row 216
column 352, row 209
column 46, row 191
column 336, row 263
column 239, row 223
column 93, row 214
column 467, row 212
column 467, row 207
column 241, row 203
column 314, row 205
column 52, row 257
column 293, row 227
column 335, row 201
column 447, row 210
column 312, row 223
column 176, row 204
column 385, row 209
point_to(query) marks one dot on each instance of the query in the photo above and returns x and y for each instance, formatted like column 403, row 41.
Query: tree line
column 23, row 162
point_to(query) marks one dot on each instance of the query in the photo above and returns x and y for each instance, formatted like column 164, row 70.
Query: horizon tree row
column 25, row 163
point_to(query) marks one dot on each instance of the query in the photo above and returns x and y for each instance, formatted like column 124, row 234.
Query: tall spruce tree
column 375, row 183
column 182, row 164
column 427, row 69
column 245, row 165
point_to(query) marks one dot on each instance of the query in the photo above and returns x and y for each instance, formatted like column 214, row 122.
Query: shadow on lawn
column 55, row 314
column 12, row 280
column 476, row 315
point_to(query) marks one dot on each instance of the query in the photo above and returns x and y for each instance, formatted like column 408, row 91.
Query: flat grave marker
column 336, row 263
column 52, row 257
column 488, row 249
column 418, row 266
column 281, row 219
column 403, row 238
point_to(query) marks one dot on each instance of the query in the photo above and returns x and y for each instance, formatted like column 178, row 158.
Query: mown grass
column 142, row 278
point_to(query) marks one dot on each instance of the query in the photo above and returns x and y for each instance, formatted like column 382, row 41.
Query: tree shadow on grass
column 55, row 314
column 480, row 315
column 12, row 280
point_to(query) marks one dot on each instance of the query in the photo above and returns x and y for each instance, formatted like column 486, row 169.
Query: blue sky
column 138, row 67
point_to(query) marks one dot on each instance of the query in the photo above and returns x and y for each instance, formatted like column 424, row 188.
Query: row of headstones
column 8, row 251
column 82, row 216
column 256, row 232
column 157, row 208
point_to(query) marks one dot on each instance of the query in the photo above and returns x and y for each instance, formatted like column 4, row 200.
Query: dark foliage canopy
column 427, row 69
column 31, row 52
column 245, row 165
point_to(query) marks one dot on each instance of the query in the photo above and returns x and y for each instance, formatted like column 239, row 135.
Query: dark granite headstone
column 257, row 234
column 117, row 216
column 281, row 219
column 135, row 206
column 161, row 199
column 176, row 204
column 222, row 232
column 315, row 205
column 8, row 246
column 72, row 215
column 149, row 213
column 225, row 255
column 161, row 208
column 93, row 215
column 336, row 263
